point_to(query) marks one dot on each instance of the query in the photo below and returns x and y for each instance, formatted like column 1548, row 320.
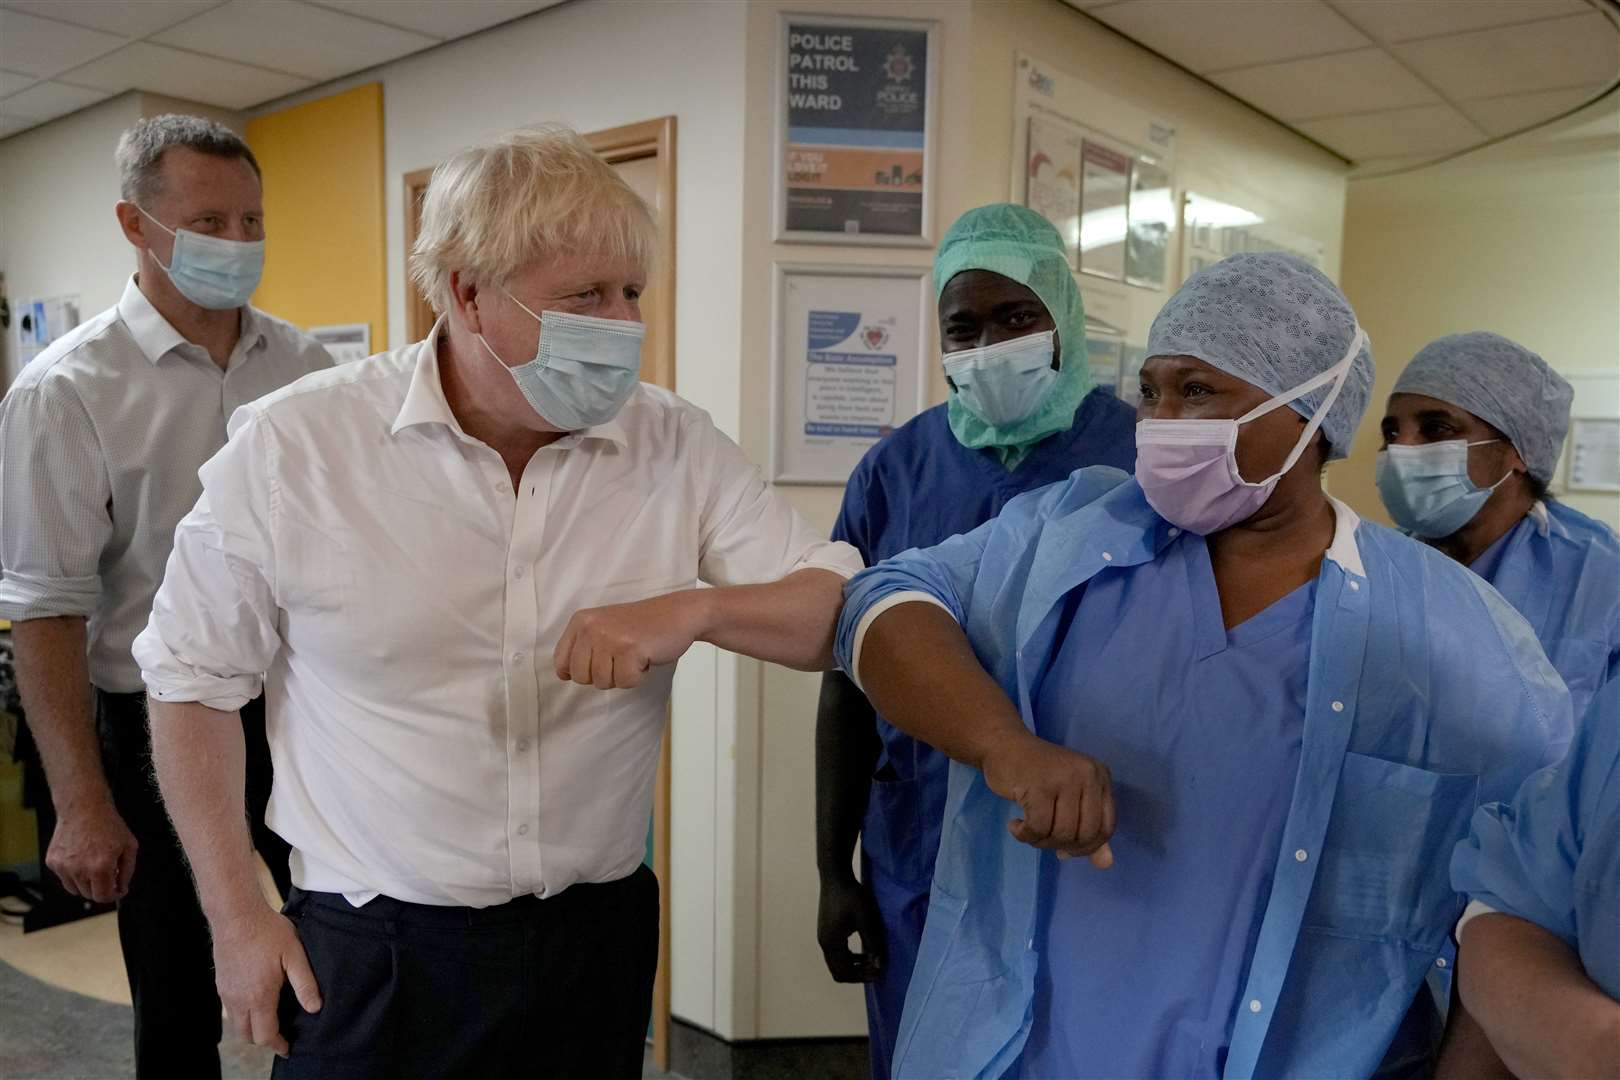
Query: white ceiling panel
column 129, row 18
column 45, row 47
column 291, row 36
column 1500, row 116
column 48, row 100
column 1364, row 80
column 1403, row 20
column 1215, row 35
column 161, row 70
column 446, row 20
column 1427, row 129
column 10, row 125
column 12, row 81
column 1554, row 54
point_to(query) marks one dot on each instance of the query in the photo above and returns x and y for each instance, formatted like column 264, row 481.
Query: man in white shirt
column 403, row 548
column 101, row 438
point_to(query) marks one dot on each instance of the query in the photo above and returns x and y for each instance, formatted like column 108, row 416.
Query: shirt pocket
column 1385, row 873
column 894, row 835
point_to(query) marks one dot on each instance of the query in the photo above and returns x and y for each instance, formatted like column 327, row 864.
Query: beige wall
column 1522, row 239
column 1223, row 149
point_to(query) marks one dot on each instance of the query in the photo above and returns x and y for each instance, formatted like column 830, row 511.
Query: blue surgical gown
column 1203, row 768
column 1427, row 694
column 1552, row 855
column 916, row 488
column 1561, row 570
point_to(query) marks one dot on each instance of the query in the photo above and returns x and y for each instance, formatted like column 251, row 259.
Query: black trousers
column 168, row 954
column 558, row 988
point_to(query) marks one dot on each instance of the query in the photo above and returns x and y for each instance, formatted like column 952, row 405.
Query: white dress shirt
column 356, row 546
column 101, row 438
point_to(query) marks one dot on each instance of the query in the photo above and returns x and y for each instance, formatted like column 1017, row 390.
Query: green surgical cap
column 1018, row 243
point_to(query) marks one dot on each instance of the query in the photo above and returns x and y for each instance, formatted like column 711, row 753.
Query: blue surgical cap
column 1274, row 321
column 1504, row 384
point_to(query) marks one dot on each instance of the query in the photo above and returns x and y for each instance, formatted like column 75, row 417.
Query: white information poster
column 1211, row 230
column 849, row 365
column 1054, row 180
column 1104, row 191
column 1151, row 218
column 1594, row 455
column 347, row 342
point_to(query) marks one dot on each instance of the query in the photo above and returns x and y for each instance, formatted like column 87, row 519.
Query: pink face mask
column 1188, row 468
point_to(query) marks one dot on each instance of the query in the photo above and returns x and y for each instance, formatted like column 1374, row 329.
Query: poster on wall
column 1150, row 218
column 1054, row 180
column 1104, row 192
column 346, row 342
column 848, row 366
column 41, row 321
column 1104, row 355
column 1212, row 229
column 856, row 130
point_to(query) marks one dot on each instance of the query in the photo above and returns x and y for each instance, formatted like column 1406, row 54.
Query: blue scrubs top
column 1552, row 855
column 1427, row 696
column 1561, row 570
column 1203, row 768
column 915, row 489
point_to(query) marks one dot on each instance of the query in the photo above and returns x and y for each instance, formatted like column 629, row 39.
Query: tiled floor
column 64, row 1006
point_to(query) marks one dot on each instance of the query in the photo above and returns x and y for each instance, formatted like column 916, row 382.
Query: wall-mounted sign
column 856, row 122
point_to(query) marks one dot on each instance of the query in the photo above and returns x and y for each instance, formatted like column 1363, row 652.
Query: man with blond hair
column 404, row 548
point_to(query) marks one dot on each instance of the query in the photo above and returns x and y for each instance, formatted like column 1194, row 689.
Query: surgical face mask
column 1188, row 468
column 1003, row 383
column 1426, row 488
column 584, row 368
column 210, row 271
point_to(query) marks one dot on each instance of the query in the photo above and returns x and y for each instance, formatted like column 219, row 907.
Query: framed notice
column 848, row 364
column 855, row 130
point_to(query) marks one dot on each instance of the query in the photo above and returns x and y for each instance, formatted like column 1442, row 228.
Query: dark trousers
column 558, row 988
column 167, row 951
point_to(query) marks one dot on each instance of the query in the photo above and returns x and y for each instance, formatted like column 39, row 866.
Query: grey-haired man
column 101, row 438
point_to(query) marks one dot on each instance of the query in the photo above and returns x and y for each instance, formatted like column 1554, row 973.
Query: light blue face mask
column 1003, row 383
column 1426, row 488
column 210, row 271
column 584, row 369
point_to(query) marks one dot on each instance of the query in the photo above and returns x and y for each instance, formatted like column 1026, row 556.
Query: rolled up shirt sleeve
column 750, row 533
column 54, row 494
column 212, row 633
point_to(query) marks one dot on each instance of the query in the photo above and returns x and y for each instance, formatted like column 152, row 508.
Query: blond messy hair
column 535, row 194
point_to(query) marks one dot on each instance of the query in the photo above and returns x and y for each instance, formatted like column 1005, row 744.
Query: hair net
column 1504, row 384
column 1020, row 244
column 1275, row 321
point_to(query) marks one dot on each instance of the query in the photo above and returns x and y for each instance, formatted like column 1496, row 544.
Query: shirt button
column 1355, row 586
column 518, row 572
column 1174, row 533
column 1338, row 706
column 1254, row 1006
column 517, row 658
column 1108, row 556
column 1440, row 962
column 522, row 745
column 503, row 488
column 523, row 830
column 1301, row 855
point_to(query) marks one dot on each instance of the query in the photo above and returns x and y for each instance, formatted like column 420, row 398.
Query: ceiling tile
column 131, row 18
column 292, row 36
column 10, row 125
column 48, row 100
column 1214, row 35
column 1365, row 80
column 444, row 20
column 1427, row 129
column 160, row 70
column 1389, row 21
column 45, row 47
column 11, row 82
column 1503, row 115
column 1554, row 54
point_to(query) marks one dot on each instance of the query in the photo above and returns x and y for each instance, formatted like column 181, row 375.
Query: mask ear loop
column 1338, row 374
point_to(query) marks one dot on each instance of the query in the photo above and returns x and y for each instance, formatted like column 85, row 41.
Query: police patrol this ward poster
column 856, row 117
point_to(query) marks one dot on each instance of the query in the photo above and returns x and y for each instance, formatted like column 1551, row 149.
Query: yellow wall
column 326, row 259
column 1522, row 239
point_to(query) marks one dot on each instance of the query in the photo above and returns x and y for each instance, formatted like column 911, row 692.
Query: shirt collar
column 1344, row 550
column 156, row 336
column 425, row 402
